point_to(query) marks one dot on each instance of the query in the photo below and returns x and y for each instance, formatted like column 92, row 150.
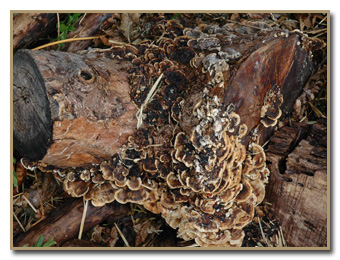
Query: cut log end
column 32, row 122
column 70, row 110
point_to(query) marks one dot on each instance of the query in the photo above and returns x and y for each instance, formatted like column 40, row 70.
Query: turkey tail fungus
column 196, row 156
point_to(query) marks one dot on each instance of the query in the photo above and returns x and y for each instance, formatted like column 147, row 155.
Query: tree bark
column 63, row 224
column 297, row 187
column 70, row 110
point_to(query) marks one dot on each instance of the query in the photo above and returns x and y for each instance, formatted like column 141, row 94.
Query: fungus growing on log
column 191, row 159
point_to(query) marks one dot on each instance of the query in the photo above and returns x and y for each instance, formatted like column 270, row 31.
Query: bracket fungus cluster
column 187, row 161
column 270, row 111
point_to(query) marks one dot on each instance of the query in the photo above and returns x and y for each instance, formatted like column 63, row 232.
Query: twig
column 83, row 220
column 66, row 40
column 16, row 218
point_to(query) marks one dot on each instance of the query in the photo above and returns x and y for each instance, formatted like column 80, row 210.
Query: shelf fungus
column 187, row 161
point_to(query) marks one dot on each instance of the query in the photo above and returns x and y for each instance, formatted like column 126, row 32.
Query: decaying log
column 298, row 183
column 76, row 110
column 63, row 224
column 28, row 27
column 69, row 109
column 90, row 25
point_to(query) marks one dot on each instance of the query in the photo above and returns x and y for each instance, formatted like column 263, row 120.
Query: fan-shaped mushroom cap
column 102, row 194
column 259, row 157
column 134, row 183
column 124, row 196
column 245, row 192
column 74, row 186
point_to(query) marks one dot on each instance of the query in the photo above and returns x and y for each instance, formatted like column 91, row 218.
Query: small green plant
column 175, row 16
column 66, row 26
column 15, row 178
column 40, row 241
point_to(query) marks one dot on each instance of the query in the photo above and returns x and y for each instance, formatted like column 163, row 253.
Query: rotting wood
column 28, row 27
column 298, row 183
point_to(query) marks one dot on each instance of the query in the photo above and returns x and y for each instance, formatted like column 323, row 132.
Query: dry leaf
column 128, row 21
column 114, row 237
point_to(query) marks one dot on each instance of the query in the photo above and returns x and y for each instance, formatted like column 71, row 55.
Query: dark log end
column 32, row 124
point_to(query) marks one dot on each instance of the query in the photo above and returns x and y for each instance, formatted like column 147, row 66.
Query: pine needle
column 264, row 237
column 147, row 187
column 16, row 218
column 115, row 42
column 66, row 40
column 149, row 97
column 193, row 245
column 30, row 204
column 83, row 220
column 283, row 238
column 122, row 236
column 58, row 19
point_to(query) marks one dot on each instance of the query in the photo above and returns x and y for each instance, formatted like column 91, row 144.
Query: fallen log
column 297, row 188
column 63, row 224
column 71, row 110
column 190, row 91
